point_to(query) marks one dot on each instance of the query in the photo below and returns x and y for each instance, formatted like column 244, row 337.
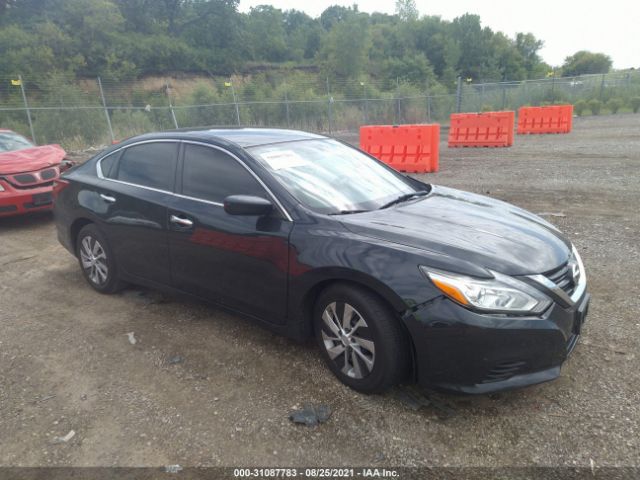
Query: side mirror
column 247, row 205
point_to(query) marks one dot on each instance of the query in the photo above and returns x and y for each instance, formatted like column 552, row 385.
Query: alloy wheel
column 347, row 340
column 94, row 260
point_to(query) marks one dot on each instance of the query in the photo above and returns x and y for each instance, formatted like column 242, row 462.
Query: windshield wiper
column 347, row 212
column 404, row 198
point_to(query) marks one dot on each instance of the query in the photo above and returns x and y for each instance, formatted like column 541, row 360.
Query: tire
column 96, row 260
column 367, row 348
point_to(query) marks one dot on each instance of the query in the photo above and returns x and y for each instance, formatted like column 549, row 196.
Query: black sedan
column 396, row 279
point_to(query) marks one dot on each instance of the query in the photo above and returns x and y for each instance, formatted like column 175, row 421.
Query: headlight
column 500, row 294
column 1, row 188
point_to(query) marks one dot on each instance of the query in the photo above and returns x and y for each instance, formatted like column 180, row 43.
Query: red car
column 27, row 173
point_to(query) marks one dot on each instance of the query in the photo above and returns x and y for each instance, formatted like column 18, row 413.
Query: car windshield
column 332, row 178
column 10, row 141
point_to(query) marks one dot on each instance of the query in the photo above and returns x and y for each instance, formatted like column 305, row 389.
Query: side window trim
column 119, row 152
column 277, row 203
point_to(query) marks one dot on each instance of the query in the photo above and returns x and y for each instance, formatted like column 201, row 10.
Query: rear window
column 149, row 165
column 107, row 165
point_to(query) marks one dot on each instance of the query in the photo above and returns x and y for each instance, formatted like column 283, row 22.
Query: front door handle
column 107, row 198
column 183, row 222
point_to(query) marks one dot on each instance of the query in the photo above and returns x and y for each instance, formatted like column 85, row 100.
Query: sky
column 611, row 27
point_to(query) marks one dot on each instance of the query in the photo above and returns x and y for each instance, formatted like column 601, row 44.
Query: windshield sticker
column 283, row 159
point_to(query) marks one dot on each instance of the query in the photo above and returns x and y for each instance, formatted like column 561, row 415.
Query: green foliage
column 635, row 104
column 125, row 39
column 595, row 106
column 407, row 10
column 615, row 104
column 584, row 62
column 127, row 123
column 347, row 46
column 67, row 125
column 580, row 106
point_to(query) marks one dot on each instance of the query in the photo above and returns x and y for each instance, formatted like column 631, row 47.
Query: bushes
column 580, row 106
column 595, row 106
column 614, row 104
column 635, row 104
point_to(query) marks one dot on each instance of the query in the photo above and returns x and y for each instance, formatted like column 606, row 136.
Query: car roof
column 244, row 137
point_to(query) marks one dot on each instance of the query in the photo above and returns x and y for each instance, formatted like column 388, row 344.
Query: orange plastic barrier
column 490, row 129
column 551, row 119
column 408, row 148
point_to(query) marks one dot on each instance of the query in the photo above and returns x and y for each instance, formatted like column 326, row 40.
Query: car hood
column 477, row 229
column 30, row 159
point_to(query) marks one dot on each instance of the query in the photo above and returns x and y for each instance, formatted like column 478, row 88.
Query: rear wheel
column 361, row 338
column 96, row 260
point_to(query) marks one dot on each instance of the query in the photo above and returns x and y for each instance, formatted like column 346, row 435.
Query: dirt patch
column 66, row 362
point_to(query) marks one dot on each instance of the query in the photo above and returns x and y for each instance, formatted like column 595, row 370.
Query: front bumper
column 14, row 201
column 458, row 350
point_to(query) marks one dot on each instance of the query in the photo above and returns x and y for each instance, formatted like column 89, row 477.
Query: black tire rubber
column 113, row 284
column 392, row 345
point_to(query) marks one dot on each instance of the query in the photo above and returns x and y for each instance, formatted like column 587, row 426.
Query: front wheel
column 361, row 339
column 96, row 260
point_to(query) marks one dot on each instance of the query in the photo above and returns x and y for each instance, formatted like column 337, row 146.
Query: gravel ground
column 202, row 387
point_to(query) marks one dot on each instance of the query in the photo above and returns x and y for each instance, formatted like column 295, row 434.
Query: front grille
column 43, row 178
column 563, row 278
column 503, row 371
column 48, row 174
column 25, row 178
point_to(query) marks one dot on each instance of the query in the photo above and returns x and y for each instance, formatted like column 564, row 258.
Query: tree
column 407, row 10
column 304, row 35
column 584, row 62
column 528, row 46
column 266, row 34
column 336, row 14
column 347, row 46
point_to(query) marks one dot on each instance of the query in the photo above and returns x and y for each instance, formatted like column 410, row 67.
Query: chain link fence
column 89, row 112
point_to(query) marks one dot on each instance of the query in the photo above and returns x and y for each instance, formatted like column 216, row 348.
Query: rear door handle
column 107, row 198
column 183, row 222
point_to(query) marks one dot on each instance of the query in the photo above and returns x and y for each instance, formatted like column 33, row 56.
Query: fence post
column 504, row 95
column 459, row 95
column 330, row 100
column 26, row 106
column 173, row 115
column 235, row 101
column 106, row 111
column 286, row 104
column 428, row 109
column 602, row 86
column 366, row 103
column 398, row 120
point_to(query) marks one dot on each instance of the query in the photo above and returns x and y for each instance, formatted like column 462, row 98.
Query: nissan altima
column 397, row 280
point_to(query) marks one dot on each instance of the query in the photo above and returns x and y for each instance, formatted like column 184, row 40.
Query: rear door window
column 149, row 165
column 210, row 174
column 107, row 165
